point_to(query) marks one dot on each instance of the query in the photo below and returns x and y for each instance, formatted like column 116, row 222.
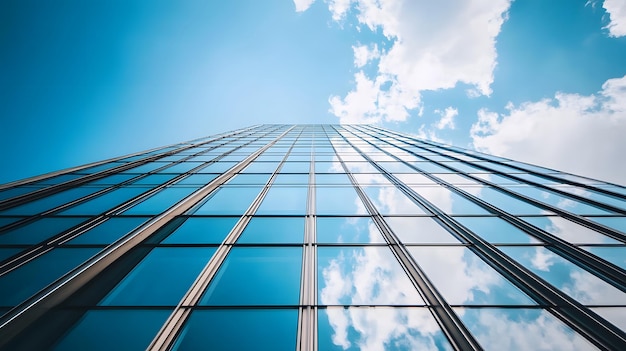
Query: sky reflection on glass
column 362, row 276
column 520, row 329
column 419, row 230
column 463, row 278
column 496, row 230
column 567, row 277
column 379, row 328
column 353, row 230
column 569, row 231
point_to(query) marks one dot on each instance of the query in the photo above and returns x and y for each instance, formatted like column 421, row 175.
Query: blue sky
column 540, row 81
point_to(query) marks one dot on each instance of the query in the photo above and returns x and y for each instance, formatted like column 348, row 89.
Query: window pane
column 520, row 329
column 202, row 230
column 284, row 201
column 160, row 201
column 496, row 230
column 391, row 201
column 197, row 179
column 229, row 201
column 419, row 230
column 38, row 231
column 338, row 201
column 613, row 254
column 263, row 230
column 295, row 167
column 114, row 330
column 448, row 201
column 161, row 278
column 105, row 202
column 109, row 231
column 362, row 276
column 50, row 202
column 569, row 231
column 463, row 278
column 19, row 284
column 240, row 329
column 567, row 277
column 355, row 230
column 379, row 328
column 249, row 179
column 248, row 269
column 617, row 223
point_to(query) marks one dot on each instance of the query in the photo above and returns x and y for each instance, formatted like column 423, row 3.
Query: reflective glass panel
column 197, row 179
column 419, row 230
column 105, row 202
column 295, row 167
column 160, row 201
column 504, row 202
column 262, row 230
column 496, row 230
column 617, row 223
column 240, row 329
column 463, row 278
column 229, row 201
column 335, row 179
column 162, row 278
column 367, row 275
column 355, row 230
column 615, row 315
column 109, row 231
column 202, row 230
column 613, row 254
column 567, row 277
column 379, row 328
column 520, row 329
column 569, row 231
column 448, row 201
column 390, row 200
column 338, row 201
column 155, row 179
column 217, row 167
column 50, row 202
column 40, row 230
column 248, row 179
column 261, row 167
column 284, row 201
column 249, row 277
column 21, row 283
column 113, row 330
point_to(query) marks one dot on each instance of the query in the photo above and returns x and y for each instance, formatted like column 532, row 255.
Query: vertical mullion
column 602, row 269
column 28, row 311
column 307, row 310
column 171, row 329
column 460, row 338
column 586, row 322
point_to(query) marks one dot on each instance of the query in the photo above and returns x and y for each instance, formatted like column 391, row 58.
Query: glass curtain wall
column 312, row 237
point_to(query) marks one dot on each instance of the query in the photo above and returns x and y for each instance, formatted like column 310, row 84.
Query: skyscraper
column 312, row 237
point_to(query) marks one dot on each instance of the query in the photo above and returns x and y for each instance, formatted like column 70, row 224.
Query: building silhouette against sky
column 312, row 237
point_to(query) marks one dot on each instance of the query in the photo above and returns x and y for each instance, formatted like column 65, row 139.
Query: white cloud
column 510, row 330
column 364, row 54
column 578, row 134
column 617, row 17
column 339, row 8
column 303, row 5
column 447, row 118
column 436, row 45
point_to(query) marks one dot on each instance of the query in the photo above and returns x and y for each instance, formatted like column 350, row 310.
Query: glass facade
column 312, row 237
